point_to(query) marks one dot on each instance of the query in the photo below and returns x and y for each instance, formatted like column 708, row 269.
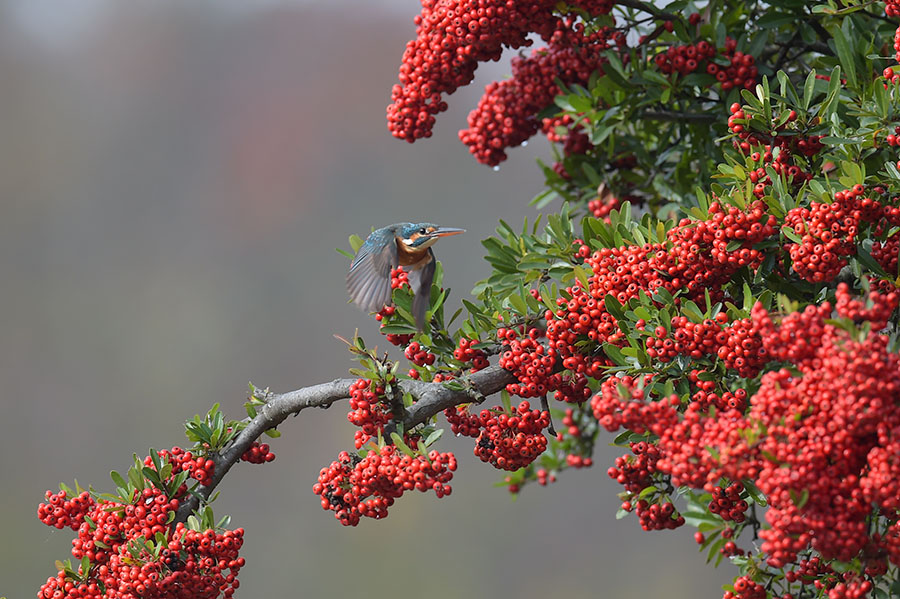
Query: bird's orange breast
column 407, row 256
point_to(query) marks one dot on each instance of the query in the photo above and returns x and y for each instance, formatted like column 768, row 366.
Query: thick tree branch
column 649, row 8
column 431, row 398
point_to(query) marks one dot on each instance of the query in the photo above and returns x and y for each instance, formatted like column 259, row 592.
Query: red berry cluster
column 855, row 589
column 419, row 356
column 200, row 467
column 369, row 410
column 544, row 477
column 578, row 461
column 728, row 504
column 354, row 487
column 571, row 388
column 466, row 352
column 738, row 345
column 892, row 8
column 635, row 472
column 812, row 571
column 603, row 204
column 531, row 362
column 621, row 404
column 896, row 48
column 828, row 233
column 745, row 588
column 258, row 453
column 658, row 516
column 620, row 272
column 510, row 442
column 506, row 115
column 741, row 71
column 399, row 278
column 451, row 39
column 743, row 350
column 701, row 256
column 209, row 568
column 691, row 262
column 686, row 59
column 728, row 400
column 886, row 253
column 773, row 148
column 893, row 139
column 570, row 133
column 120, row 540
column 882, row 305
column 744, row 227
column 838, row 412
column 59, row 511
column 462, row 422
column 687, row 338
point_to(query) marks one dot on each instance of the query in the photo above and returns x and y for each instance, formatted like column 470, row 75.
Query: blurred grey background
column 175, row 177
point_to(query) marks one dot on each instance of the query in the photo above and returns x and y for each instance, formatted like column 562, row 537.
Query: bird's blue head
column 421, row 236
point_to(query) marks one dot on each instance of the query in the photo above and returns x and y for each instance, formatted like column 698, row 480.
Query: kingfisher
column 400, row 244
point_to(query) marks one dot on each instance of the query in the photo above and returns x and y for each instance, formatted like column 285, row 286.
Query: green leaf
column 696, row 518
column 788, row 232
column 582, row 277
column 615, row 354
column 845, row 55
column 118, row 480
column 647, row 491
column 758, row 496
column 866, row 259
column 613, row 307
column 399, row 444
column 433, row 437
column 518, row 304
column 799, row 499
column 137, row 481
column 151, row 475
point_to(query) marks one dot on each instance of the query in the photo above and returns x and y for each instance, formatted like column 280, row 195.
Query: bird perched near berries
column 400, row 244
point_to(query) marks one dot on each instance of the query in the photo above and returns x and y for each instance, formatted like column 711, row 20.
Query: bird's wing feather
column 420, row 280
column 369, row 279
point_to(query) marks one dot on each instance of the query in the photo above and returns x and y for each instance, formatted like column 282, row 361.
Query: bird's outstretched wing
column 369, row 279
column 420, row 280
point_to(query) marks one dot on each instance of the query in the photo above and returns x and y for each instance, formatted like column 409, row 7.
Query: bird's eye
column 423, row 231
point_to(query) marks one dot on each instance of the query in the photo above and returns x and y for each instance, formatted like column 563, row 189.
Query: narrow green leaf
column 117, row 479
column 399, row 444
column 518, row 304
column 433, row 437
column 788, row 232
column 845, row 54
column 582, row 277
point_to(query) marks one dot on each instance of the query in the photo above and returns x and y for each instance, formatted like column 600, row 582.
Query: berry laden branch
column 431, row 398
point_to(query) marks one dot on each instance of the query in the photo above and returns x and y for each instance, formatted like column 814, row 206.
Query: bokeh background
column 174, row 179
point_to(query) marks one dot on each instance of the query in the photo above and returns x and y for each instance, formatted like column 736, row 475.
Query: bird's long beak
column 447, row 231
